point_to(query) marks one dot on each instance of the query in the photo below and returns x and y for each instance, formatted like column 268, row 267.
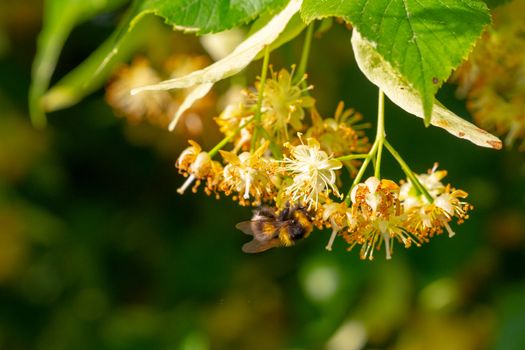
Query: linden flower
column 151, row 105
column 431, row 181
column 372, row 234
column 339, row 135
column 187, row 157
column 313, row 174
column 375, row 197
column 283, row 104
column 231, row 119
column 248, row 175
column 199, row 166
column 377, row 218
column 426, row 219
column 339, row 216
column 449, row 205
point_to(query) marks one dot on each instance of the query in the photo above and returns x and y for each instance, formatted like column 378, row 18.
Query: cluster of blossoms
column 381, row 212
column 493, row 79
column 284, row 154
column 276, row 166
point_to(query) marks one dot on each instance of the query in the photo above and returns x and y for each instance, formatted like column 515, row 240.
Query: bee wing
column 246, row 227
column 256, row 246
column 260, row 230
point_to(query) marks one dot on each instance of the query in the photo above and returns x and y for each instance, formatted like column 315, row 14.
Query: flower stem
column 227, row 139
column 380, row 135
column 351, row 157
column 362, row 170
column 376, row 150
column 409, row 173
column 257, row 117
column 301, row 70
column 276, row 151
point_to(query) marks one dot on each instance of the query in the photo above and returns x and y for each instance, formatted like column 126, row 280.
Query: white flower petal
column 411, row 202
column 444, row 202
column 373, row 201
column 353, row 193
column 372, row 183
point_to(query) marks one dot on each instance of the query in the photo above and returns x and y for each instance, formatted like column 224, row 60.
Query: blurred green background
column 98, row 251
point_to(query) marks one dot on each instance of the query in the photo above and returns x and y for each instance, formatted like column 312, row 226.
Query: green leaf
column 60, row 17
column 82, row 81
column 399, row 91
column 422, row 39
column 200, row 16
column 210, row 16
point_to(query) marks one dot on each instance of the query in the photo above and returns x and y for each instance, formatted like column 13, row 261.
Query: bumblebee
column 270, row 230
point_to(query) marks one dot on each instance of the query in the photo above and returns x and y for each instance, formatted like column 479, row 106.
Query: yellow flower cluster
column 493, row 79
column 339, row 134
column 297, row 176
column 283, row 104
column 381, row 212
column 276, row 168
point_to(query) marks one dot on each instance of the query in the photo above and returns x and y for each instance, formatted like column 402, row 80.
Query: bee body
column 271, row 230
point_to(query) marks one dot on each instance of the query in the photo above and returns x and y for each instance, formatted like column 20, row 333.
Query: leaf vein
column 416, row 44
